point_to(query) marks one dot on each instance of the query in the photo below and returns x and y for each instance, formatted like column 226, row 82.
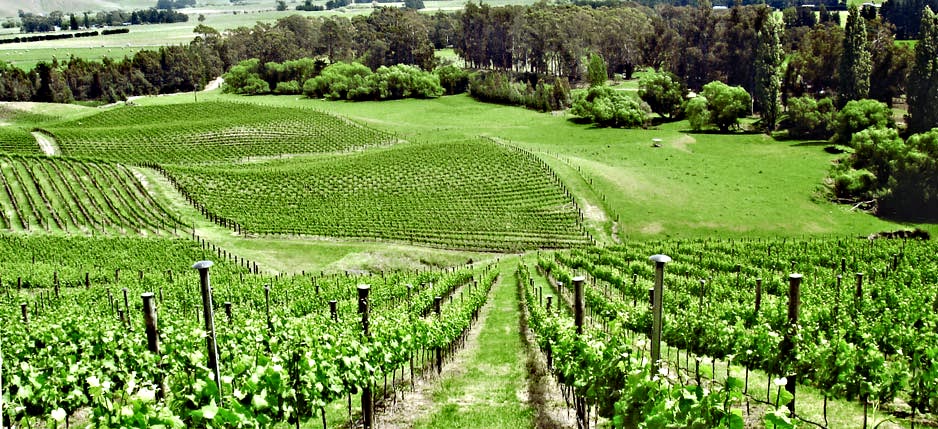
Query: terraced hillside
column 209, row 131
column 57, row 194
column 471, row 195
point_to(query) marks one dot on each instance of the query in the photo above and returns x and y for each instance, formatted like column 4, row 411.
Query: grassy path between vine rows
column 485, row 385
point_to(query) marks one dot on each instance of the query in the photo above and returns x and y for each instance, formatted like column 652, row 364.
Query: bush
column 242, row 75
column 454, row 80
column 900, row 176
column 663, row 92
column 610, row 108
column 809, row 118
column 697, row 112
column 336, row 81
column 344, row 81
column 859, row 115
column 288, row 88
column 724, row 106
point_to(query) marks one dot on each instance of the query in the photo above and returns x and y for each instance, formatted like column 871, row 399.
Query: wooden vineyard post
column 333, row 310
column 55, row 283
column 228, row 312
column 270, row 326
column 153, row 338
column 208, row 315
column 578, row 303
column 24, row 308
column 579, row 403
column 859, row 295
column 550, row 350
column 659, row 261
column 788, row 343
column 758, row 295
column 437, row 301
column 127, row 307
column 367, row 406
column 87, row 281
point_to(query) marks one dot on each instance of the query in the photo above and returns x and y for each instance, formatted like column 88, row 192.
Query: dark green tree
column 73, row 22
column 768, row 72
column 856, row 64
column 923, row 79
column 281, row 5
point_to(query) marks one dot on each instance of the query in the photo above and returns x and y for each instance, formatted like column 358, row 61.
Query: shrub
column 610, row 108
column 663, row 92
column 858, row 115
column 454, row 80
column 810, row 118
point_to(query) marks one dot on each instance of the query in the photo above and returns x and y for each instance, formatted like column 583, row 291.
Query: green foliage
column 923, row 79
column 356, row 82
column 719, row 104
column 241, row 75
column 596, row 70
column 809, row 118
column 698, row 112
column 663, row 93
column 498, row 87
column 467, row 195
column 453, row 79
column 337, row 81
column 856, row 64
column 608, row 107
column 900, row 176
column 207, row 131
column 859, row 115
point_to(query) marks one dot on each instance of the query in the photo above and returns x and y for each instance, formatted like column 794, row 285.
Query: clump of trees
column 718, row 104
column 531, row 91
column 354, row 81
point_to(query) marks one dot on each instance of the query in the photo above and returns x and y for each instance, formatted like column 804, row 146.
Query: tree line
column 33, row 23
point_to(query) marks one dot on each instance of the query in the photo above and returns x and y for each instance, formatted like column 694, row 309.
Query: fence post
column 578, row 303
column 437, row 301
column 153, row 338
column 208, row 315
column 758, row 294
column 788, row 343
column 659, row 261
column 550, row 350
column 367, row 406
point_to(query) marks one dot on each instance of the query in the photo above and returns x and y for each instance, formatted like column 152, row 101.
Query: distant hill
column 9, row 8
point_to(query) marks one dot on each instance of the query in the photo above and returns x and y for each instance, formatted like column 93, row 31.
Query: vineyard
column 467, row 195
column 208, row 132
column 14, row 130
column 866, row 330
column 288, row 347
column 68, row 195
